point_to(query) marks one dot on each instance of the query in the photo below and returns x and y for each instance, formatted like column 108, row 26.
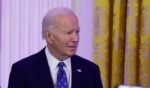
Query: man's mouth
column 72, row 47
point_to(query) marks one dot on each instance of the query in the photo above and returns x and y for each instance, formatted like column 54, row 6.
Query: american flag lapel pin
column 79, row 70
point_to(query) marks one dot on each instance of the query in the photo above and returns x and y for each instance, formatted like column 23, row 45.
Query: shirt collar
column 54, row 62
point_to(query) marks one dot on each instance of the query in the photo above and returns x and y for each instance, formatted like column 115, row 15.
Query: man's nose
column 75, row 37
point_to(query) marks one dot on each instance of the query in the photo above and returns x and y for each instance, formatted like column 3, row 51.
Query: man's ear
column 48, row 36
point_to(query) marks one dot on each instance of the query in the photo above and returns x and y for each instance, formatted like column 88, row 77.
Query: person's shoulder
column 26, row 60
column 30, row 60
column 82, row 61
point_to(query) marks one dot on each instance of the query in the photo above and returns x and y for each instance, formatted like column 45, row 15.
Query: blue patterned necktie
column 61, row 76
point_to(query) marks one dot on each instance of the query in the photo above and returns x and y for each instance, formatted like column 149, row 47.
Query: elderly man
column 56, row 66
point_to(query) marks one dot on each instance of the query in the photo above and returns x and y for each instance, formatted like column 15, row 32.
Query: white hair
column 49, row 18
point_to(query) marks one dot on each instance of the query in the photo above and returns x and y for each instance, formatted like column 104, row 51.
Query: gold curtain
column 122, row 42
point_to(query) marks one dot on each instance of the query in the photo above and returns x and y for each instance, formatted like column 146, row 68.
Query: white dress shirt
column 53, row 62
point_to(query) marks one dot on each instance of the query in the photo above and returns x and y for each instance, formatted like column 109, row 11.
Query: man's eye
column 69, row 32
column 77, row 31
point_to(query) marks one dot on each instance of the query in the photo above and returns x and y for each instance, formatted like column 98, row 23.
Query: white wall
column 84, row 10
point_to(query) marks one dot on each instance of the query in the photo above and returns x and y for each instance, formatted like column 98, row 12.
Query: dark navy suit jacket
column 33, row 72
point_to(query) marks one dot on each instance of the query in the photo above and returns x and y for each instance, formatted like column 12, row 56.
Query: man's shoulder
column 30, row 60
column 82, row 61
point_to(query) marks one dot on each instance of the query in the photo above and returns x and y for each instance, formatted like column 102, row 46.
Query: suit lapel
column 43, row 70
column 45, row 75
column 77, row 73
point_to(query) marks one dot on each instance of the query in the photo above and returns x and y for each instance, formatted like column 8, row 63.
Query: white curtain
column 20, row 29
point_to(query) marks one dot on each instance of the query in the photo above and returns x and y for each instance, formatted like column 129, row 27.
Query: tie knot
column 61, row 64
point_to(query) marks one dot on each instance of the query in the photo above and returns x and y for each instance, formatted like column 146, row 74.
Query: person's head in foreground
column 61, row 31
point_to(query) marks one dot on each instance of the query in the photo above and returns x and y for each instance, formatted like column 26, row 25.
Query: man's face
column 65, row 36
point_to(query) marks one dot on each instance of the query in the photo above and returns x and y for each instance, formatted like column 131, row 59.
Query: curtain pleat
column 101, row 38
